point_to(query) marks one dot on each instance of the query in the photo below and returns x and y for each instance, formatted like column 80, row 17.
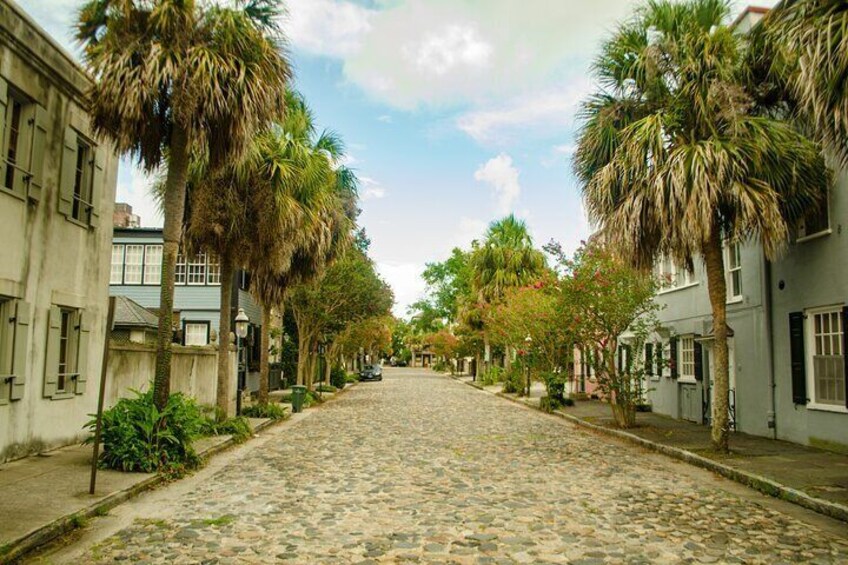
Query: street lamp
column 242, row 322
column 528, row 342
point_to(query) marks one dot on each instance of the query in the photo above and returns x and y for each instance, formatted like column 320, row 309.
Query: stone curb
column 752, row 480
column 18, row 548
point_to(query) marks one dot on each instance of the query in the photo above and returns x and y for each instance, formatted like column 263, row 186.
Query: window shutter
column 20, row 349
column 628, row 358
column 4, row 103
column 798, row 362
column 620, row 359
column 673, row 351
column 51, row 363
column 83, row 369
column 660, row 359
column 68, row 173
column 845, row 349
column 39, row 144
column 97, row 178
column 697, row 357
column 649, row 359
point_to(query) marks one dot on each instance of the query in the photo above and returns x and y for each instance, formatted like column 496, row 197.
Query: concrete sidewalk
column 47, row 494
column 814, row 472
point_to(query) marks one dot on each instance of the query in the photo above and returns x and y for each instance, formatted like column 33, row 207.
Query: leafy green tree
column 505, row 259
column 673, row 163
column 449, row 284
column 348, row 291
column 176, row 77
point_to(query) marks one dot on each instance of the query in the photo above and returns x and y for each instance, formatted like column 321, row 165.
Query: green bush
column 271, row 410
column 351, row 378
column 325, row 388
column 238, row 428
column 138, row 437
column 549, row 404
column 441, row 366
column 492, row 376
column 338, row 377
column 514, row 380
column 555, row 385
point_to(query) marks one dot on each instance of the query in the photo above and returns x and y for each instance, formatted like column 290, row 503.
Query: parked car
column 371, row 373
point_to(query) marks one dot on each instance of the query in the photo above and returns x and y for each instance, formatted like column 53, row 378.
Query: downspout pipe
column 768, row 310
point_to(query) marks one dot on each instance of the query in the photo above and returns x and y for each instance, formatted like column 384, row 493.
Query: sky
column 454, row 113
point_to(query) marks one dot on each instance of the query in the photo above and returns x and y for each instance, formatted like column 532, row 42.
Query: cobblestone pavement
column 420, row 468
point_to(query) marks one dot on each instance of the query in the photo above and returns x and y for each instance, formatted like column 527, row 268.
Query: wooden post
column 110, row 322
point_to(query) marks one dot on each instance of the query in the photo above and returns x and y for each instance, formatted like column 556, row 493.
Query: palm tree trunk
column 264, row 347
column 224, row 329
column 173, row 210
column 717, row 287
column 303, row 342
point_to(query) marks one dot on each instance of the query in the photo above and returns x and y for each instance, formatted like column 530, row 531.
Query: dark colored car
column 371, row 373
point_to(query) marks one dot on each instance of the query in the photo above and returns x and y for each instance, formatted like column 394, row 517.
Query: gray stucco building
column 57, row 189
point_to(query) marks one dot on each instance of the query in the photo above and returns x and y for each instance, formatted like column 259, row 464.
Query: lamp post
column 528, row 341
column 242, row 322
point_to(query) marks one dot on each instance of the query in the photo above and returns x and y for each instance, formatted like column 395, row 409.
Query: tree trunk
column 303, row 342
column 625, row 415
column 173, row 211
column 487, row 355
column 508, row 358
column 717, row 286
column 224, row 329
column 264, row 362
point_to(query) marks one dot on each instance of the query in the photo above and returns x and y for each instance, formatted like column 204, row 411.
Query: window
column 134, row 256
column 13, row 119
column 670, row 275
column 733, row 264
column 213, row 273
column 180, row 270
column 826, row 363
column 197, row 269
column 196, row 333
column 153, row 264
column 687, row 357
column 82, row 204
column 67, row 357
column 816, row 222
column 6, row 331
column 117, row 274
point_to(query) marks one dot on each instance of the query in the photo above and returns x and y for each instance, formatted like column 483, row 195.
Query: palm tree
column 171, row 76
column 810, row 42
column 505, row 259
column 673, row 163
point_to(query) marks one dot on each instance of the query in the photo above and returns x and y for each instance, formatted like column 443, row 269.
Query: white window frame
column 198, row 263
column 69, row 345
column 671, row 276
column 152, row 266
column 180, row 270
column 213, row 270
column 128, row 266
column 195, row 326
column 117, row 278
column 686, row 348
column 810, row 349
column 23, row 150
column 732, row 268
column 802, row 234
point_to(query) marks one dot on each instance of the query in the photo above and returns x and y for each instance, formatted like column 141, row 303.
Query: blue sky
column 454, row 113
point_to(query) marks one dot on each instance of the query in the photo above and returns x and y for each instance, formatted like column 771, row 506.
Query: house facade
column 57, row 189
column 136, row 272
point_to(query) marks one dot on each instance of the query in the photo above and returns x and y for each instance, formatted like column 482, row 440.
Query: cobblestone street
column 420, row 468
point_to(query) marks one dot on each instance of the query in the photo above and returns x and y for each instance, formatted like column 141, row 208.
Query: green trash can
column 298, row 396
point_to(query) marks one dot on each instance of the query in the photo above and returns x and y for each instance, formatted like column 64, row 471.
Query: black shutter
column 845, row 349
column 660, row 366
column 621, row 358
column 649, row 359
column 673, row 346
column 796, row 351
column 699, row 367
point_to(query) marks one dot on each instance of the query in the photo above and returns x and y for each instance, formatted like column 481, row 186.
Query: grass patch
column 224, row 520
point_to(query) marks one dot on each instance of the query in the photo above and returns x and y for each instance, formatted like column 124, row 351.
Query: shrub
column 338, row 377
column 514, row 380
column 139, row 437
column 549, row 404
column 238, row 428
column 325, row 388
column 555, row 385
column 271, row 410
column 441, row 366
column 492, row 376
column 352, row 378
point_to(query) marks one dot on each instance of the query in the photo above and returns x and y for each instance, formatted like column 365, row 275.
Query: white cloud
column 560, row 155
column 406, row 282
column 448, row 49
column 552, row 110
column 371, row 189
column 385, row 118
column 327, row 27
column 503, row 176
column 134, row 188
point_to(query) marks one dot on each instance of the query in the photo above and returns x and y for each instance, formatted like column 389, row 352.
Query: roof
column 749, row 10
column 132, row 314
